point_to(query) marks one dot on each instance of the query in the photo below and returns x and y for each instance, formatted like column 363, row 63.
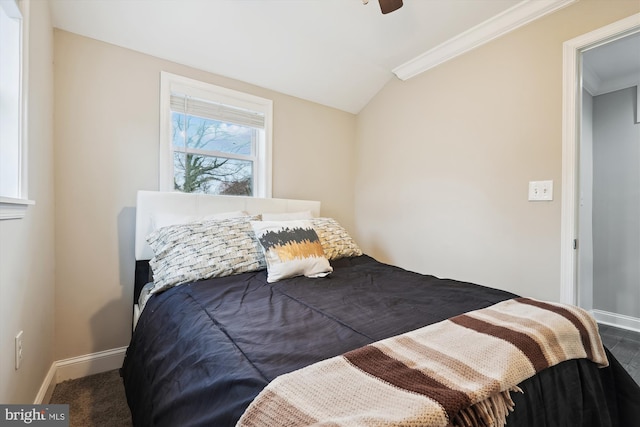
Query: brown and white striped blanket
column 458, row 372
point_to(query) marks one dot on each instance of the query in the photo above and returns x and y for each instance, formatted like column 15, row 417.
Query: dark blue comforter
column 201, row 352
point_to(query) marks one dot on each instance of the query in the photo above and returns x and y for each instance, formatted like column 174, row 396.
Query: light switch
column 540, row 191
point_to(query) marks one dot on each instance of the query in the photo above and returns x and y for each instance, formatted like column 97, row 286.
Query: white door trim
column 571, row 101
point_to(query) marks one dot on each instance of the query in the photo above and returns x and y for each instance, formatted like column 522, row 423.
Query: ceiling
column 612, row 66
column 338, row 53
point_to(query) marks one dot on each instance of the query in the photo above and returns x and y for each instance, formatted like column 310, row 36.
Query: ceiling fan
column 387, row 6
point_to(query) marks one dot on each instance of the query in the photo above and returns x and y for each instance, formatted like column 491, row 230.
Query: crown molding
column 515, row 17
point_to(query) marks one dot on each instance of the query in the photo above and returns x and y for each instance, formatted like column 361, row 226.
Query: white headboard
column 150, row 203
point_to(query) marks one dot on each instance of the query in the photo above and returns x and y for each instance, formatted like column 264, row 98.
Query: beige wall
column 444, row 159
column 436, row 181
column 26, row 245
column 106, row 132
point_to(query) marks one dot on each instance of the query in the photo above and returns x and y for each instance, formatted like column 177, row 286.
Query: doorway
column 594, row 271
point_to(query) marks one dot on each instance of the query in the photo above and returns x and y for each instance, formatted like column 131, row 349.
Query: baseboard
column 46, row 389
column 617, row 320
column 78, row 367
column 89, row 364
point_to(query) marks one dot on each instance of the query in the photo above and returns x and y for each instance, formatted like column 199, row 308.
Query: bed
column 225, row 348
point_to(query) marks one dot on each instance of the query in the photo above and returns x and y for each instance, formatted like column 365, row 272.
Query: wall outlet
column 18, row 349
column 540, row 191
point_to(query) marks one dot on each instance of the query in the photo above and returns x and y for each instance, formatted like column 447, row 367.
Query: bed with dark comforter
column 201, row 352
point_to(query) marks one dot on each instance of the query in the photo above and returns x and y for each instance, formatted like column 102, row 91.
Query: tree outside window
column 214, row 140
column 211, row 156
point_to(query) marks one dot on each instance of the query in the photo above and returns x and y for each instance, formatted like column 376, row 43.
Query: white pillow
column 286, row 216
column 291, row 248
column 165, row 219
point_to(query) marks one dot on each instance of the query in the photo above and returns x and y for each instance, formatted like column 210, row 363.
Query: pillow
column 286, row 216
column 291, row 248
column 144, row 295
column 165, row 219
column 335, row 240
column 201, row 250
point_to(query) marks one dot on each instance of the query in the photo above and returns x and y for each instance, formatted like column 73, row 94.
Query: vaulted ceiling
column 339, row 53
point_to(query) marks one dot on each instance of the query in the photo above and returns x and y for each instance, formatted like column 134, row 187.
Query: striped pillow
column 335, row 240
column 291, row 248
column 201, row 250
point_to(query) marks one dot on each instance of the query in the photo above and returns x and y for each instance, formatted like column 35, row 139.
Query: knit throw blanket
column 458, row 372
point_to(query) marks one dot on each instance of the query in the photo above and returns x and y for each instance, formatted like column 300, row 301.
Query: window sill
column 12, row 208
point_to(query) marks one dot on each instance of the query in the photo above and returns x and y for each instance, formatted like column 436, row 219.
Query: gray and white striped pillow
column 201, row 250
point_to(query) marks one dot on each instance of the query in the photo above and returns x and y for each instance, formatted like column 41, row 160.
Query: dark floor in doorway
column 625, row 346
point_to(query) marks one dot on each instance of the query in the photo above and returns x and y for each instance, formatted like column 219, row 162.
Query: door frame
column 571, row 116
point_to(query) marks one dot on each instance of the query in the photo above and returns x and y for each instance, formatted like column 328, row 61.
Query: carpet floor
column 97, row 400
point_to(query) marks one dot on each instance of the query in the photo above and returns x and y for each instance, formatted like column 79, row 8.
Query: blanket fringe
column 491, row 412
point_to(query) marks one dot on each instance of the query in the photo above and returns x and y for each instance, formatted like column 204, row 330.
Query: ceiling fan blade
column 388, row 6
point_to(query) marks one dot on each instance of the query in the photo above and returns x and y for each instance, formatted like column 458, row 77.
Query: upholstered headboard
column 152, row 203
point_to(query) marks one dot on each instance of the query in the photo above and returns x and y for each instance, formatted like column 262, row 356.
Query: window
column 213, row 140
column 13, row 189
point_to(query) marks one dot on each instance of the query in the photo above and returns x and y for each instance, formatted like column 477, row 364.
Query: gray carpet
column 97, row 400
column 625, row 346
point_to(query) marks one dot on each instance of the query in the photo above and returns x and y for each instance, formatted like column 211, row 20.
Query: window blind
column 225, row 113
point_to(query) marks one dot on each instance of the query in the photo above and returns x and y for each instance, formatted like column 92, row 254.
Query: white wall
column 585, row 214
column 616, row 203
column 27, row 245
column 107, row 130
column 444, row 159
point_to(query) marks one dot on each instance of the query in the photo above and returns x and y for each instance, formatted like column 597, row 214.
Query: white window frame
column 179, row 84
column 14, row 205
